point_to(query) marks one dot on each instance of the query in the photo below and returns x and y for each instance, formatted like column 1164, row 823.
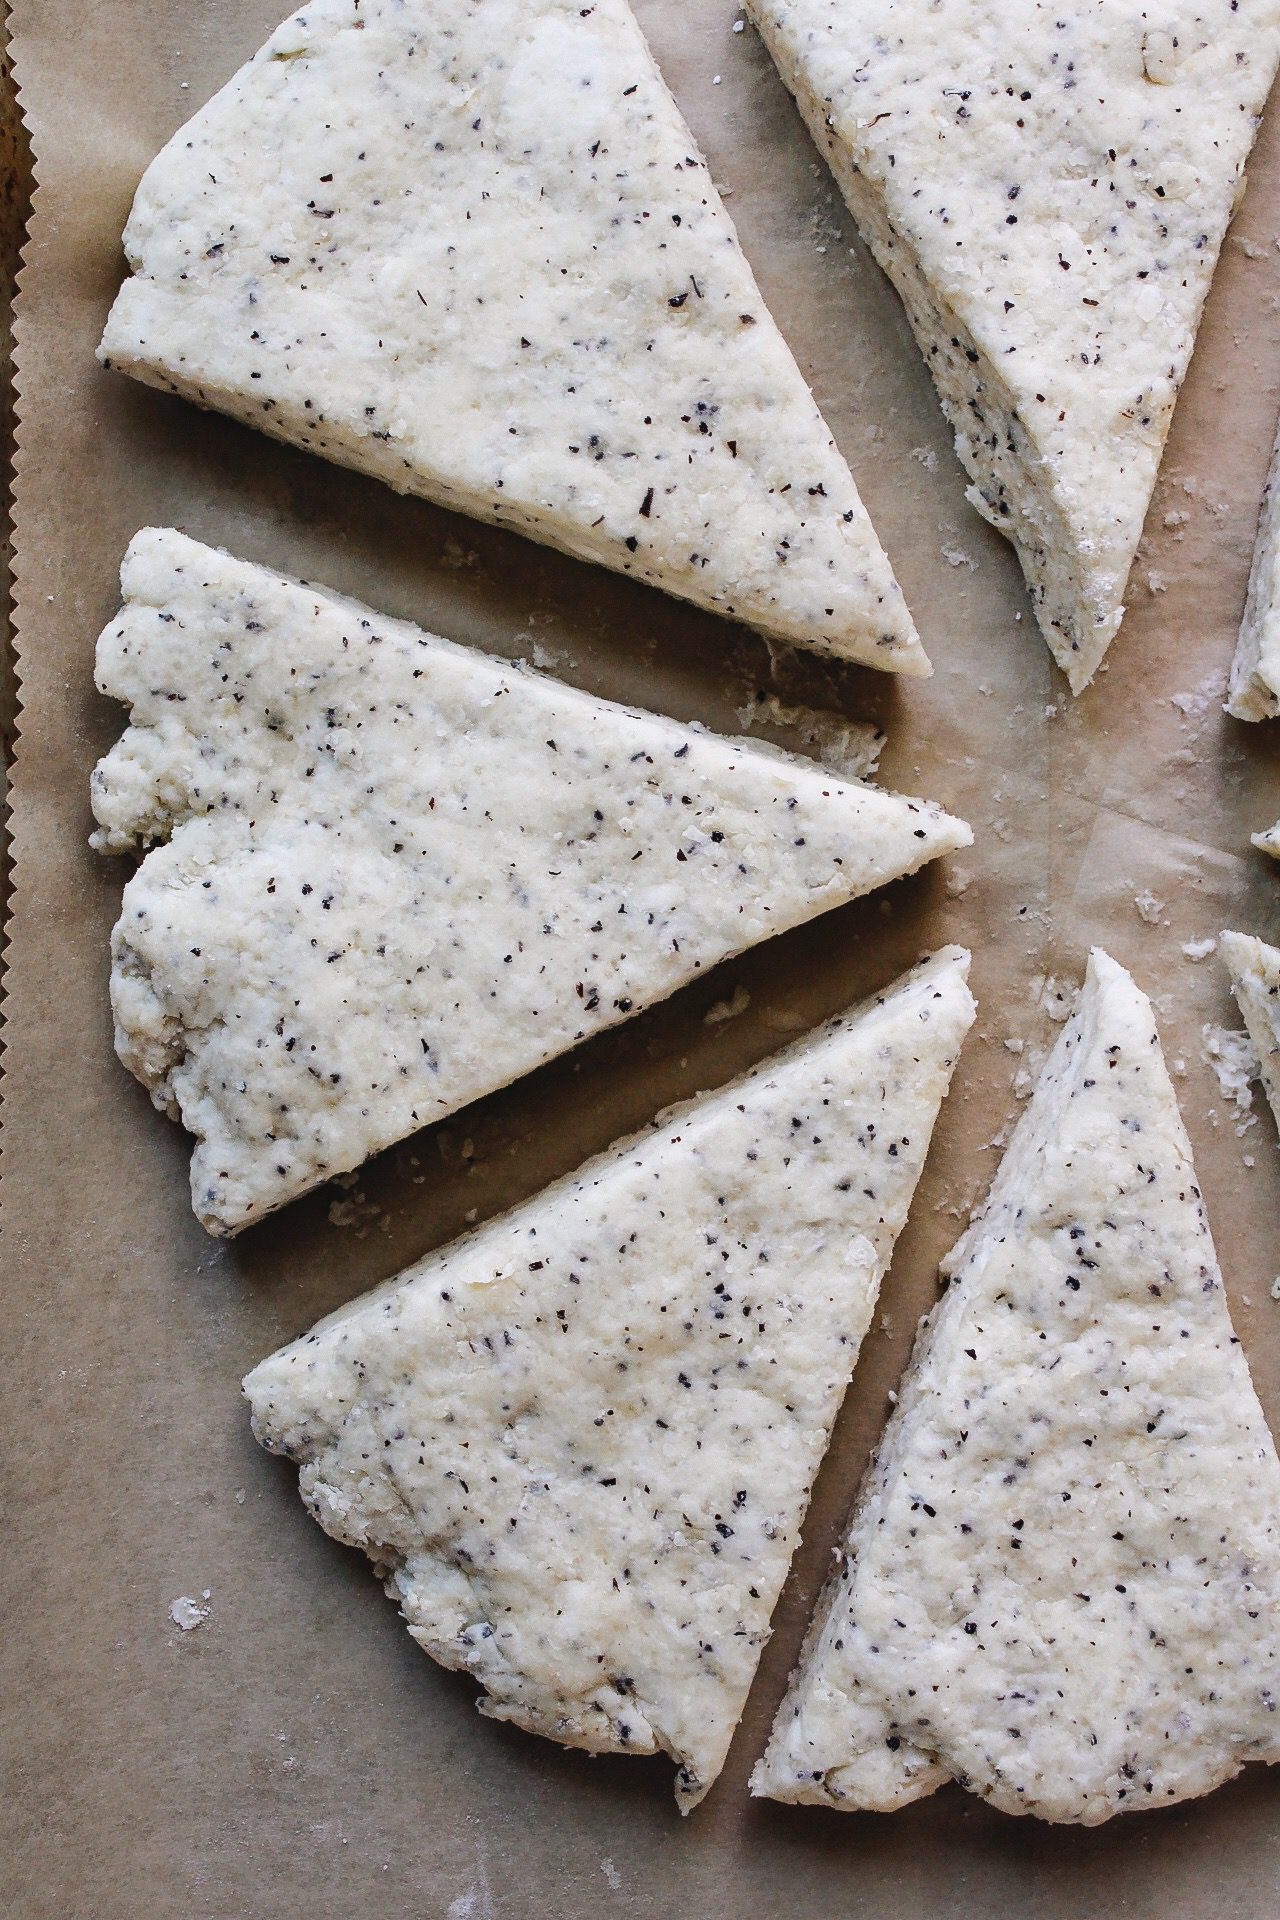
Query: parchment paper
column 296, row 1754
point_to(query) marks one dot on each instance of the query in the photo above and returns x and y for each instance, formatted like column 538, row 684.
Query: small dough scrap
column 1255, row 981
column 578, row 1445
column 1268, row 841
column 1048, row 188
column 473, row 250
column 400, row 874
column 1062, row 1581
column 1254, row 692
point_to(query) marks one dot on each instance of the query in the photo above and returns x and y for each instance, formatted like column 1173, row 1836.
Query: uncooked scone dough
column 1255, row 981
column 400, row 874
column 1254, row 693
column 579, row 1444
column 1048, row 188
column 1062, row 1580
column 474, row 250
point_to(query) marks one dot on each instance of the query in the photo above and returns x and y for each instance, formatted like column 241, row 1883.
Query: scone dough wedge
column 1062, row 1581
column 1255, row 981
column 1254, row 692
column 578, row 1445
column 399, row 873
column 473, row 249
column 1048, row 190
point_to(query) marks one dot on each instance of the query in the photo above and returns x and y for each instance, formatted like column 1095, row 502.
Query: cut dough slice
column 1254, row 693
column 1268, row 841
column 474, row 250
column 1062, row 1584
column 1048, row 191
column 578, row 1445
column 1255, row 981
column 400, row 874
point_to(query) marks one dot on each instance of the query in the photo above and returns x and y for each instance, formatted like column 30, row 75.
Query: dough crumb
column 849, row 748
column 607, row 1867
column 1199, row 949
column 352, row 1213
column 1050, row 995
column 784, row 1020
column 729, row 1009
column 927, row 458
column 1149, row 906
column 1275, row 1288
column 1235, row 1064
column 1210, row 693
column 187, row 1613
column 356, row 1209
column 1249, row 248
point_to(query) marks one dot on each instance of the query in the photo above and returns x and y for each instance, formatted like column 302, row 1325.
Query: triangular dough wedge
column 400, row 874
column 1254, row 693
column 1048, row 190
column 579, row 1444
column 1268, row 841
column 1062, row 1584
column 474, row 250
column 1255, row 981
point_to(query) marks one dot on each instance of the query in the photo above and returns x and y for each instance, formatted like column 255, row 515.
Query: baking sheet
column 296, row 1753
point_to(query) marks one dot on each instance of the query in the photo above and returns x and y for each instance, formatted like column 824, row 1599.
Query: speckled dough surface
column 1254, row 693
column 1063, row 1575
column 579, row 1444
column 470, row 246
column 1255, row 981
column 1048, row 188
column 400, row 873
